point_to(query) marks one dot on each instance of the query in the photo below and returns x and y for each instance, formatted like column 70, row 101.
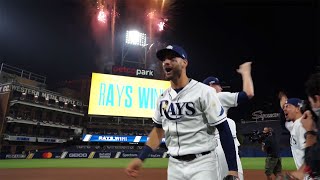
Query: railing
column 22, row 73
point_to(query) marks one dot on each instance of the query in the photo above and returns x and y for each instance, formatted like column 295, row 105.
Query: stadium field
column 248, row 163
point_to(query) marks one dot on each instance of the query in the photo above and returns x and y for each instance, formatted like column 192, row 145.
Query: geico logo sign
column 129, row 155
column 76, row 155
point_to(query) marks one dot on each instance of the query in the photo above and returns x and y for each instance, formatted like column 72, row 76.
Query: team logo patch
column 221, row 111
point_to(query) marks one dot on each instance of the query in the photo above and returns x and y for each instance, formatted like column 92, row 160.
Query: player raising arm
column 183, row 114
column 229, row 100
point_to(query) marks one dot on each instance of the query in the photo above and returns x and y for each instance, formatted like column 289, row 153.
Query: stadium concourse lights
column 134, row 37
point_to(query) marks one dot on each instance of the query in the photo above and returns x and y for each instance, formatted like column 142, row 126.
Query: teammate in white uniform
column 229, row 100
column 291, row 108
column 312, row 160
column 183, row 114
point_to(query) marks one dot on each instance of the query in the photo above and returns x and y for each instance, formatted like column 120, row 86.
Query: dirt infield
column 95, row 174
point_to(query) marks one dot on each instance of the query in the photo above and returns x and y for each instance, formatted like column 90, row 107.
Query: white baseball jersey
column 297, row 141
column 289, row 125
column 228, row 100
column 185, row 117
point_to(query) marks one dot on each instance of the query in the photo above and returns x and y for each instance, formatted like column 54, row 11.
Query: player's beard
column 175, row 74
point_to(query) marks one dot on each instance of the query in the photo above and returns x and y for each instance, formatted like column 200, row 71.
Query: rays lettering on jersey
column 176, row 110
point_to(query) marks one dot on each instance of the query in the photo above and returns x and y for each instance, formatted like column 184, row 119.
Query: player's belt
column 190, row 157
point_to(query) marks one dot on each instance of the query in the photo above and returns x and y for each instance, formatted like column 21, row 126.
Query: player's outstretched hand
column 244, row 68
column 283, row 98
column 134, row 167
column 282, row 94
column 307, row 121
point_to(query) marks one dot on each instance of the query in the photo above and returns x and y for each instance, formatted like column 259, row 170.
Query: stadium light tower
column 136, row 45
column 136, row 38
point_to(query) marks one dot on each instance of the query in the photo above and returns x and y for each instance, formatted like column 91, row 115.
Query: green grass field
column 247, row 163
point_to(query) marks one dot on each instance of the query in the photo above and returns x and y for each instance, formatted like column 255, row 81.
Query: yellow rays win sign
column 124, row 96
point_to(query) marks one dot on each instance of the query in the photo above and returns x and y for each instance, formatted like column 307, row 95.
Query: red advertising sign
column 136, row 72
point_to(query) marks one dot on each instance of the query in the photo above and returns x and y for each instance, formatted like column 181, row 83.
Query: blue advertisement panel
column 110, row 138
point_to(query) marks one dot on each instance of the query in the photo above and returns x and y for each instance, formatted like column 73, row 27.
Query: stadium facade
column 34, row 118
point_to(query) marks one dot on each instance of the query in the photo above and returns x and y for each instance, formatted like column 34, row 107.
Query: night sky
column 54, row 38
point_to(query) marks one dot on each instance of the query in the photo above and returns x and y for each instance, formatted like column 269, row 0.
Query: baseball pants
column 201, row 168
column 223, row 165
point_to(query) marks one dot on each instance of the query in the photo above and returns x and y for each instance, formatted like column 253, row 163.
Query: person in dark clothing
column 273, row 160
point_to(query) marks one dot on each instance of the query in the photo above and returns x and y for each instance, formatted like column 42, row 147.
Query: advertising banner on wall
column 77, row 155
column 21, row 138
column 51, row 140
column 133, row 154
column 47, row 155
column 87, row 154
column 110, row 138
column 44, row 94
column 105, row 155
column 260, row 115
column 15, row 156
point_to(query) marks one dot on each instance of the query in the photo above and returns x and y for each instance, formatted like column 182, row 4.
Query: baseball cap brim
column 161, row 54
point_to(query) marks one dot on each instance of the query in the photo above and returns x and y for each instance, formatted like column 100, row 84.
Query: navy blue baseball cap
column 294, row 101
column 173, row 49
column 211, row 80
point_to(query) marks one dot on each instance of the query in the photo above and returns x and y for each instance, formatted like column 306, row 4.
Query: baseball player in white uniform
column 229, row 100
column 291, row 109
column 183, row 114
column 312, row 160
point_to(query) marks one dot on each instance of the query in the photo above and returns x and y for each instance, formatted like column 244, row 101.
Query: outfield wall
column 243, row 152
column 89, row 155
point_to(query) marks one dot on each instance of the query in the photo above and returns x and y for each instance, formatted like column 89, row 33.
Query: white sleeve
column 212, row 108
column 228, row 99
column 302, row 140
column 289, row 125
